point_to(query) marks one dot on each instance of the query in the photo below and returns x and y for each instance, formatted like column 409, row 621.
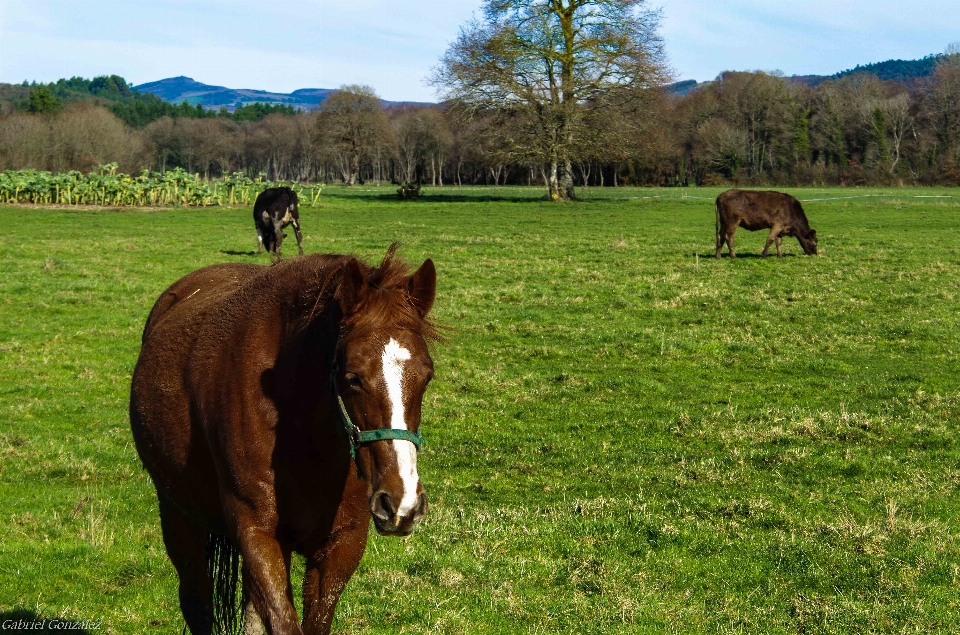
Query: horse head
column 380, row 374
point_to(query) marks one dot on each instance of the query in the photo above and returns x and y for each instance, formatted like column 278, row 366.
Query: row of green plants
column 107, row 187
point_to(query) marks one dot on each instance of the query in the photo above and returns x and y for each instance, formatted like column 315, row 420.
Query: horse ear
column 352, row 285
column 423, row 286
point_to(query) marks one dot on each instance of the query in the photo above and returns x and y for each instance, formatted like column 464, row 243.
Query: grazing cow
column 780, row 213
column 275, row 209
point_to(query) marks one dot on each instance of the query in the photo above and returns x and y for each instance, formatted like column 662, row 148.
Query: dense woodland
column 749, row 128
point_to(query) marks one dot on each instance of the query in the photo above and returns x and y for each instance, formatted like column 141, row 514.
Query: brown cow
column 780, row 213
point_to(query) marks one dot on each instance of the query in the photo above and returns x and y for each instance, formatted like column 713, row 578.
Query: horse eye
column 353, row 380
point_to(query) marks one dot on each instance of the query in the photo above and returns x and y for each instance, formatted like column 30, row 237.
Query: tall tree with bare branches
column 553, row 62
column 350, row 125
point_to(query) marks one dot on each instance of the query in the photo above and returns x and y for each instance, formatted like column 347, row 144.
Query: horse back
column 172, row 448
column 218, row 391
column 205, row 288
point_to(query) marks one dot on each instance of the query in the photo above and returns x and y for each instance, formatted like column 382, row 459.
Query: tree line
column 744, row 128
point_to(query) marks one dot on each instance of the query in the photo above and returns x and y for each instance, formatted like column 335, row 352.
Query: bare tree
column 84, row 136
column 549, row 59
column 349, row 127
column 895, row 115
column 406, row 126
column 757, row 105
column 944, row 102
column 280, row 138
column 160, row 136
column 422, row 141
column 727, row 146
column 436, row 142
column 23, row 141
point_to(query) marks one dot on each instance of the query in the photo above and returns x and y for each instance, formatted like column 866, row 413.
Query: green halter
column 357, row 437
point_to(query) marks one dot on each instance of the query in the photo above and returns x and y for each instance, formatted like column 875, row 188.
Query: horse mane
column 311, row 285
column 387, row 300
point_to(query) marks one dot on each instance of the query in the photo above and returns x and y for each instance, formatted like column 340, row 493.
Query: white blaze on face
column 393, row 357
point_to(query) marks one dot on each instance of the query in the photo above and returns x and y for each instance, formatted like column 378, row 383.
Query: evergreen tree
column 42, row 100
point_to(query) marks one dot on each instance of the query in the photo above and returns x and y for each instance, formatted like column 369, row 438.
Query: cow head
column 809, row 242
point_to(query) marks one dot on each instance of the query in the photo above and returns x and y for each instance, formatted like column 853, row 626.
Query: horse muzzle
column 391, row 520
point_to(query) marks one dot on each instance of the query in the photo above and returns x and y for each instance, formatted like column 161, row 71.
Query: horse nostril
column 383, row 506
column 421, row 509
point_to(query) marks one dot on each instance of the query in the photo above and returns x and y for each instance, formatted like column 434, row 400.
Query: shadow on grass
column 441, row 197
column 22, row 620
column 231, row 252
column 486, row 198
column 744, row 256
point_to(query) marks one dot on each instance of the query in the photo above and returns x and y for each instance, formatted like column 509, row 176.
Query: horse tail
column 223, row 567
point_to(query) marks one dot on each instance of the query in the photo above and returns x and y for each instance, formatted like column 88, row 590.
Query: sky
column 392, row 46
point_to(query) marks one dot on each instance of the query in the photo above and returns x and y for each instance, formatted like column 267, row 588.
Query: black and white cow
column 275, row 209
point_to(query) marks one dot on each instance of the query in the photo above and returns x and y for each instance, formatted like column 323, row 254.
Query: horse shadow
column 26, row 620
column 231, row 252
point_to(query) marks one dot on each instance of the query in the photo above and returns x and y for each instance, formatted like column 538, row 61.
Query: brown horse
column 255, row 387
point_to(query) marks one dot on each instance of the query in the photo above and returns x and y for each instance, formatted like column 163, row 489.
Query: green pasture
column 625, row 435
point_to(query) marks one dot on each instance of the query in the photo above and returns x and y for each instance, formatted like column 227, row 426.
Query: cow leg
column 327, row 573
column 278, row 233
column 296, row 229
column 186, row 544
column 264, row 236
column 774, row 232
column 259, row 241
column 779, row 246
column 720, row 231
column 731, row 233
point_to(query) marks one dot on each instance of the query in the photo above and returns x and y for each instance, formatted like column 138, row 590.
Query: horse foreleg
column 251, row 620
column 252, row 624
column 266, row 579
column 186, row 544
column 327, row 573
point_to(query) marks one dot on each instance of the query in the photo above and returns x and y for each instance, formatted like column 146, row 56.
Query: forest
column 744, row 128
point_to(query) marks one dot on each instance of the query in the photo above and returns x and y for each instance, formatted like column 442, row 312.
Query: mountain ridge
column 907, row 72
column 178, row 89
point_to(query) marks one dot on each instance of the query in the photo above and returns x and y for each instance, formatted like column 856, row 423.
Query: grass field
column 624, row 435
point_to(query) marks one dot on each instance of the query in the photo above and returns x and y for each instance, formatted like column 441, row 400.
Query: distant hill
column 179, row 89
column 685, row 87
column 176, row 90
column 904, row 71
column 172, row 97
column 132, row 106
